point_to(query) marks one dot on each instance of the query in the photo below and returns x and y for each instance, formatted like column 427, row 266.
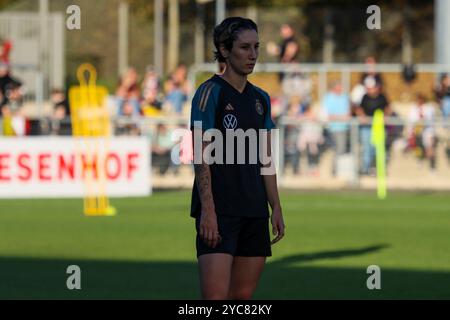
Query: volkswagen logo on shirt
column 230, row 121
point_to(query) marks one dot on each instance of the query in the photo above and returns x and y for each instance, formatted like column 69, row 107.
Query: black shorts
column 241, row 236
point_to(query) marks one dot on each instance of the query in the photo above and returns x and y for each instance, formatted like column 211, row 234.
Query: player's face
column 245, row 51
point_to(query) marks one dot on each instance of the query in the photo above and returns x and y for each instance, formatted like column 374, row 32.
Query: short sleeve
column 204, row 105
column 268, row 122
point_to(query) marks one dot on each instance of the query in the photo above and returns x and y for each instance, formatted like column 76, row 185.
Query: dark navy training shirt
column 238, row 189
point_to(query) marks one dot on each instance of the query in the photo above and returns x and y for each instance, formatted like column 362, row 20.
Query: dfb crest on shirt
column 259, row 107
column 230, row 121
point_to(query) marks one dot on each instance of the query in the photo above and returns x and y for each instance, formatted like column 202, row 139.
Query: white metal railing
column 345, row 69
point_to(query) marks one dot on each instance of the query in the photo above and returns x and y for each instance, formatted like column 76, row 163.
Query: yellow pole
column 378, row 140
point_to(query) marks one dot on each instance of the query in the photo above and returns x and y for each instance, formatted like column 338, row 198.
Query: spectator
column 162, row 145
column 14, row 94
column 421, row 130
column 371, row 101
column 292, row 83
column 289, row 48
column 6, row 83
column 151, row 104
column 356, row 95
column 278, row 108
column 371, row 65
column 61, row 124
column 360, row 89
column 151, row 81
column 394, row 131
column 336, row 107
column 177, row 89
column 14, row 122
column 128, row 91
column 128, row 95
column 128, row 123
column 287, row 51
column 442, row 92
column 310, row 140
column 291, row 150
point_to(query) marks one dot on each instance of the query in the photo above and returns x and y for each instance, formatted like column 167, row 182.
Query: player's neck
column 236, row 80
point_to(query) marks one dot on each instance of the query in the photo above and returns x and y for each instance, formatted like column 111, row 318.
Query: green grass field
column 148, row 252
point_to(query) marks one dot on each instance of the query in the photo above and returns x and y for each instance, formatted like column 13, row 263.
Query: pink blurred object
column 186, row 151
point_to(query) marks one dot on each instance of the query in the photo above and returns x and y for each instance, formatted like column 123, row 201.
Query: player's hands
column 209, row 231
column 277, row 224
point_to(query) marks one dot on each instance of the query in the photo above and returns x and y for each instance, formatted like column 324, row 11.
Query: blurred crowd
column 311, row 129
column 328, row 124
column 152, row 98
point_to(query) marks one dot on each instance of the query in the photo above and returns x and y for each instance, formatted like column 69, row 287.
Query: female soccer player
column 229, row 199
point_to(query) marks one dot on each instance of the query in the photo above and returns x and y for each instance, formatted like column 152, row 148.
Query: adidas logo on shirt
column 229, row 107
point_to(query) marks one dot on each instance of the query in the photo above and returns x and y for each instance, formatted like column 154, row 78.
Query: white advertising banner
column 52, row 167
